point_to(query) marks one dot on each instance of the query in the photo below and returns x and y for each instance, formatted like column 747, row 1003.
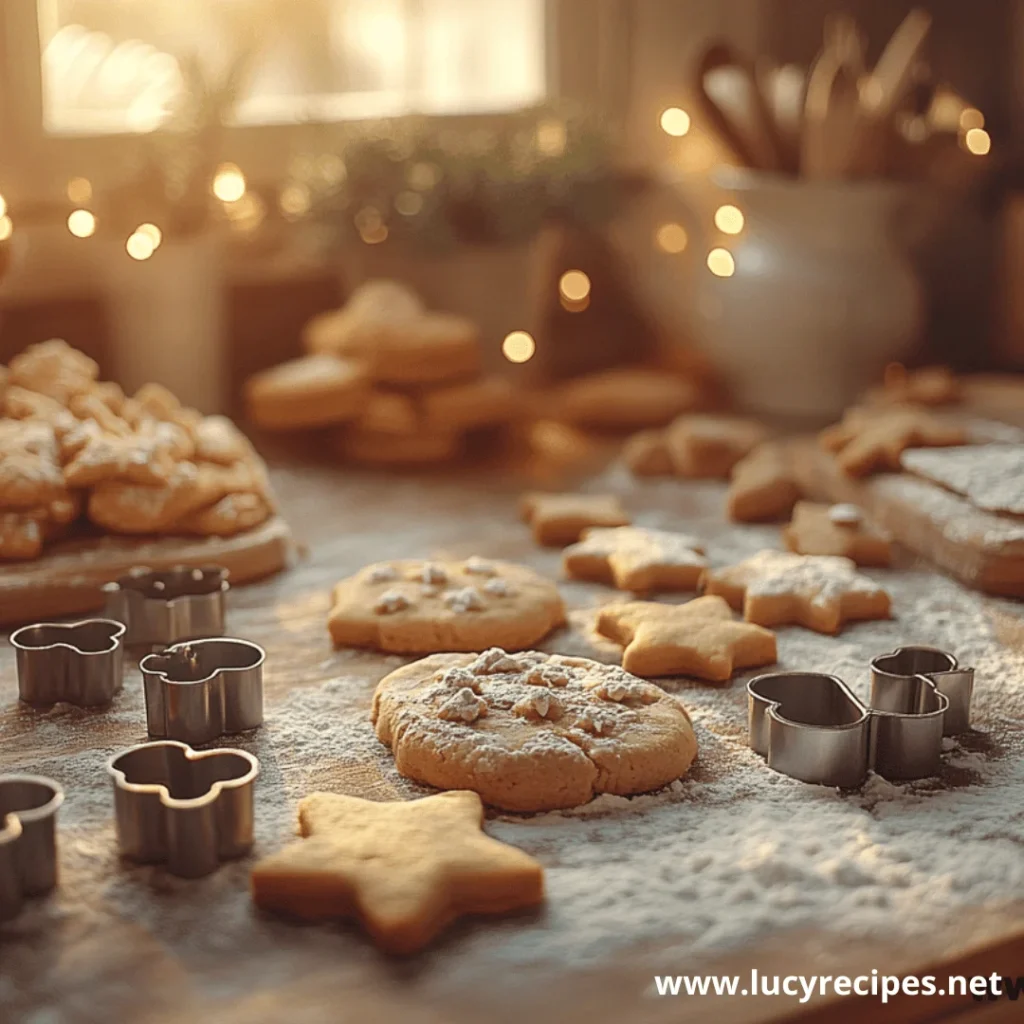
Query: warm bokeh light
column 675, row 121
column 971, row 117
column 721, row 263
column 152, row 232
column 729, row 219
column 229, row 183
column 295, row 200
column 671, row 238
column 551, row 137
column 408, row 203
column 79, row 190
column 424, row 176
column 6, row 228
column 3, row 206
column 81, row 223
column 139, row 246
column 977, row 141
column 371, row 226
column 518, row 347
column 574, row 285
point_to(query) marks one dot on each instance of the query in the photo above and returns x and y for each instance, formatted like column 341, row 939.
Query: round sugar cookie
column 419, row 607
column 532, row 731
column 311, row 391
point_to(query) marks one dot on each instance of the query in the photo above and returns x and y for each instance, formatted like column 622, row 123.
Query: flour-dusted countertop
column 733, row 867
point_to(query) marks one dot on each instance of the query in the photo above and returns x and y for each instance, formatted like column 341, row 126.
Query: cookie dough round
column 531, row 732
column 419, row 607
column 311, row 391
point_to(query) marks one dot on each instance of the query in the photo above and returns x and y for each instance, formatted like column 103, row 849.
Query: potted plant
column 467, row 215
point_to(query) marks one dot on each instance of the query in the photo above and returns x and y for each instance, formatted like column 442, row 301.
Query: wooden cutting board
column 68, row 579
column 983, row 550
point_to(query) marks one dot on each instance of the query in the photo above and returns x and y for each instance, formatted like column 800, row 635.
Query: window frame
column 584, row 57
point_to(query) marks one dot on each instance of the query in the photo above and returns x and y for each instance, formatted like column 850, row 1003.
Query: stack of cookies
column 73, row 448
column 397, row 383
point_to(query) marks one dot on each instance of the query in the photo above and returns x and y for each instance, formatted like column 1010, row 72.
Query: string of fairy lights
column 244, row 209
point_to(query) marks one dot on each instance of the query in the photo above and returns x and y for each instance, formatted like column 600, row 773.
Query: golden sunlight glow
column 671, row 238
column 518, row 347
column 229, row 183
column 81, row 223
column 79, row 191
column 729, row 219
column 721, row 263
column 152, row 232
column 675, row 121
column 574, row 285
column 978, row 141
column 971, row 117
column 6, row 228
column 139, row 246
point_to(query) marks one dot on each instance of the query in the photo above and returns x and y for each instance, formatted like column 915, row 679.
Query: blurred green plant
column 437, row 184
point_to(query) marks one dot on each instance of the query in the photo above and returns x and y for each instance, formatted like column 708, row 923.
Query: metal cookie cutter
column 201, row 689
column 190, row 809
column 810, row 726
column 896, row 681
column 161, row 607
column 28, row 839
column 78, row 662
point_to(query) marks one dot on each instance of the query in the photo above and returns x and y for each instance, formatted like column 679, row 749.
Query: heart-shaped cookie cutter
column 811, row 726
column 201, row 689
column 28, row 839
column 188, row 809
column 77, row 662
column 163, row 606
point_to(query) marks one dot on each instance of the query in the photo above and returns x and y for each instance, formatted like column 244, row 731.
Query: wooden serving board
column 983, row 550
column 68, row 579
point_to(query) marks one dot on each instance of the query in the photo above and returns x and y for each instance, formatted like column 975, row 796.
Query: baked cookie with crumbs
column 531, row 731
column 412, row 606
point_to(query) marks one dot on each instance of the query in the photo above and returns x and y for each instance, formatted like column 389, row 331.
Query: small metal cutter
column 28, row 839
column 201, row 689
column 811, row 726
column 189, row 809
column 161, row 607
column 78, row 662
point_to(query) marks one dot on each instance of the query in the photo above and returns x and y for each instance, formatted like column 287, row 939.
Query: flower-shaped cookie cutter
column 188, row 809
column 162, row 606
column 201, row 689
column 28, row 839
column 77, row 662
column 811, row 726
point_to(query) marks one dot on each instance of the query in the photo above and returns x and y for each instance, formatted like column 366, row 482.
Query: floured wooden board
column 984, row 550
column 733, row 868
column 68, row 578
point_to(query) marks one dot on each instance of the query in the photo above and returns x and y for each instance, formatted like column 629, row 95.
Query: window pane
column 111, row 66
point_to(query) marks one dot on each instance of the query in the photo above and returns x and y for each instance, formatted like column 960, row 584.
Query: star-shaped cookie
column 404, row 869
column 637, row 559
column 872, row 441
column 699, row 638
column 763, row 485
column 776, row 588
column 835, row 530
column 560, row 519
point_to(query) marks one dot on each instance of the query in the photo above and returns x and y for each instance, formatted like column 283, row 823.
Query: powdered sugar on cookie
column 543, row 717
column 990, row 476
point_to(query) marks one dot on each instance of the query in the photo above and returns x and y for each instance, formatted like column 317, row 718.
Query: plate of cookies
column 93, row 482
